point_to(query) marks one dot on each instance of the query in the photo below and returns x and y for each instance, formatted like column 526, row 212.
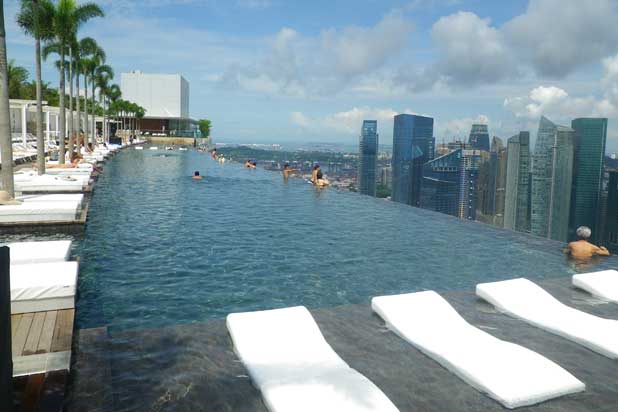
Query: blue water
column 161, row 249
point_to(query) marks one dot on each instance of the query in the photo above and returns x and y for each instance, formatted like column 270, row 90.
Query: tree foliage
column 204, row 125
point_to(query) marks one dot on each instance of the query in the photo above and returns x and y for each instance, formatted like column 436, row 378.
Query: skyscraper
column 491, row 185
column 611, row 217
column 590, row 137
column 441, row 182
column 552, row 177
column 516, row 206
column 368, row 153
column 479, row 137
column 468, row 183
column 413, row 146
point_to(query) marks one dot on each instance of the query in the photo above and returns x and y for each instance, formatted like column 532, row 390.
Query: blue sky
column 303, row 71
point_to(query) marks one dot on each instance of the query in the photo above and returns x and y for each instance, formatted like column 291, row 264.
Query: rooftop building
column 479, row 137
column 368, row 149
column 516, row 202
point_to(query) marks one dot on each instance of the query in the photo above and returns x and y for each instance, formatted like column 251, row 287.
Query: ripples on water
column 161, row 248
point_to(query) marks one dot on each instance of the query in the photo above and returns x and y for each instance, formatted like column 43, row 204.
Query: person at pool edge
column 214, row 153
column 196, row 175
column 287, row 170
column 317, row 178
column 581, row 248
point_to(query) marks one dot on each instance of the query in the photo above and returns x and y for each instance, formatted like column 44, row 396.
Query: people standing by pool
column 287, row 170
column 317, row 177
column 196, row 175
column 582, row 249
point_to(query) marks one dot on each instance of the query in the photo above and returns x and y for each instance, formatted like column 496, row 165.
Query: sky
column 312, row 71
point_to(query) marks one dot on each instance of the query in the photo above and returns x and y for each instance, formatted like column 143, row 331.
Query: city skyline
column 269, row 71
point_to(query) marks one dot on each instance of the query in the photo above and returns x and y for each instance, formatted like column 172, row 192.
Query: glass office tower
column 611, row 217
column 440, row 190
column 552, row 177
column 479, row 137
column 413, row 146
column 516, row 205
column 368, row 154
column 590, row 137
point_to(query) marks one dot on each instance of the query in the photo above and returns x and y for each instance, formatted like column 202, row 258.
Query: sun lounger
column 509, row 373
column 43, row 286
column 39, row 212
column 58, row 197
column 49, row 183
column 40, row 252
column 295, row 368
column 600, row 284
column 527, row 301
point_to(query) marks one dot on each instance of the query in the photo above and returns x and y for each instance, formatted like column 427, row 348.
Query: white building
column 165, row 97
column 162, row 95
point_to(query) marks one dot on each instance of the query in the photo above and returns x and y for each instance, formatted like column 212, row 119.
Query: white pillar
column 47, row 126
column 24, row 112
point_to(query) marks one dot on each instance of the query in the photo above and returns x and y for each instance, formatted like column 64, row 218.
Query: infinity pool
column 162, row 249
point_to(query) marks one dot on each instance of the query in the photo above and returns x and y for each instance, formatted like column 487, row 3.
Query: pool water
column 162, row 249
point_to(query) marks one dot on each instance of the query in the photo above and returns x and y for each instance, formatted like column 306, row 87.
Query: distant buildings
column 413, row 146
column 552, row 175
column 368, row 150
column 611, row 216
column 166, row 100
column 479, row 137
column 386, row 176
column 516, row 202
column 440, row 189
column 590, row 137
column 491, row 185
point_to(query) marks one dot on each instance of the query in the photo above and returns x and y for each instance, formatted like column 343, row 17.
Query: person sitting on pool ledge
column 196, row 175
column 287, row 170
column 582, row 249
column 249, row 164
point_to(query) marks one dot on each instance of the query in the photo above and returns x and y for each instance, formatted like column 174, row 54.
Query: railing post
column 6, row 358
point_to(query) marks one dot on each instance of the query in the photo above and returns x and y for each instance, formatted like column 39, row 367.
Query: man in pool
column 213, row 154
column 287, row 170
column 196, row 175
column 581, row 249
column 250, row 165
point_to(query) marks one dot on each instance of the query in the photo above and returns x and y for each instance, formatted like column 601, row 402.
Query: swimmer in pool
column 196, row 175
column 317, row 178
column 250, row 165
column 581, row 249
column 287, row 170
column 213, row 154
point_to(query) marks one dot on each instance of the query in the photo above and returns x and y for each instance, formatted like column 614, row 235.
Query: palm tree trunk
column 63, row 114
column 71, row 119
column 6, row 145
column 86, row 109
column 94, row 121
column 77, row 109
column 40, row 140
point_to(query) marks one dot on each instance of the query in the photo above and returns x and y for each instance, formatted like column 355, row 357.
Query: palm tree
column 6, row 145
column 68, row 17
column 102, row 83
column 86, row 47
column 35, row 19
column 17, row 77
column 113, row 95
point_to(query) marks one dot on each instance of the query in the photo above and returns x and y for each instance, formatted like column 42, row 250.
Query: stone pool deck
column 194, row 368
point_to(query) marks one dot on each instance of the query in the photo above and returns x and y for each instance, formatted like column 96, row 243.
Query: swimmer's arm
column 567, row 250
column 602, row 251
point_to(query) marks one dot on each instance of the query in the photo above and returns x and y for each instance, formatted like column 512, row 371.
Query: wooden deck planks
column 15, row 323
column 21, row 334
column 63, row 332
column 47, row 332
column 34, row 335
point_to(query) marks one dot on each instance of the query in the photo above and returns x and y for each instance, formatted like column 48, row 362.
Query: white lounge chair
column 40, row 252
column 600, row 284
column 296, row 369
column 509, row 373
column 527, row 301
column 49, row 183
column 39, row 212
column 40, row 287
column 56, row 197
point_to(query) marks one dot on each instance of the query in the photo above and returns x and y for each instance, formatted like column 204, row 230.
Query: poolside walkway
column 194, row 368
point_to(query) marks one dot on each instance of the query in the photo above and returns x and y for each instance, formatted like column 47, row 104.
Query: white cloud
column 299, row 119
column 555, row 102
column 459, row 128
column 322, row 65
column 558, row 36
